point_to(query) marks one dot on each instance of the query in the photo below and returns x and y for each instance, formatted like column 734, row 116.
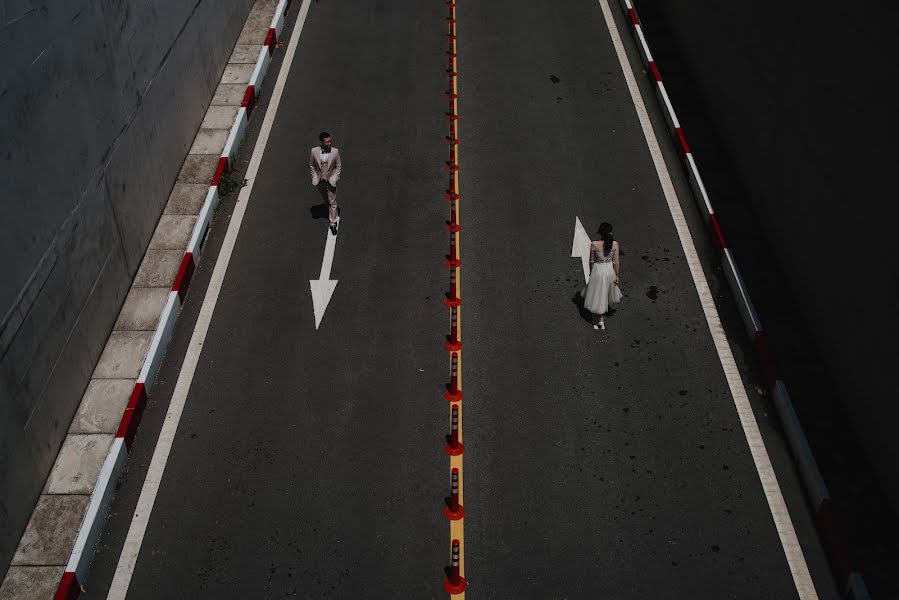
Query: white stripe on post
column 856, row 587
column 738, row 287
column 161, row 338
column 668, row 108
column 236, row 135
column 196, row 239
column 698, row 187
column 802, row 452
column 97, row 509
column 260, row 70
column 642, row 46
column 278, row 19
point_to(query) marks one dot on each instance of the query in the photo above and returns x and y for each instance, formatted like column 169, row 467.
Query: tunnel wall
column 803, row 97
column 99, row 103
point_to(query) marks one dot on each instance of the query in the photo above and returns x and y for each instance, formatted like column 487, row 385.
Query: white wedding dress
column 601, row 290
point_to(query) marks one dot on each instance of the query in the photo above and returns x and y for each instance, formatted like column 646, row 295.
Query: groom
column 324, row 167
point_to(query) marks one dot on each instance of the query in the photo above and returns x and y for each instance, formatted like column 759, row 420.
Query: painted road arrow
column 580, row 247
column 323, row 287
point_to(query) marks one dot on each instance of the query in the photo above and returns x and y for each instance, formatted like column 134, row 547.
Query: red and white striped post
column 453, row 393
column 453, row 446
column 453, row 510
column 453, row 343
column 454, row 583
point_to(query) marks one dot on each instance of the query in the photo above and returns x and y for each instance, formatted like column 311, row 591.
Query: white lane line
column 131, row 550
column 795, row 558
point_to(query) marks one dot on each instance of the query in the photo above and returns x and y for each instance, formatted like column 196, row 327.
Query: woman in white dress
column 602, row 288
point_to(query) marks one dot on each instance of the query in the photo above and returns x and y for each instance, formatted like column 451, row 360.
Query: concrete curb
column 89, row 533
column 816, row 491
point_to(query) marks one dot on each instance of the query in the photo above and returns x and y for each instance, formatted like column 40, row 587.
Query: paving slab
column 51, row 532
column 123, row 355
column 258, row 22
column 173, row 232
column 198, row 168
column 219, row 117
column 142, row 309
column 209, row 141
column 102, row 405
column 246, row 53
column 159, row 268
column 30, row 583
column 186, row 199
column 238, row 74
column 228, row 94
column 78, row 463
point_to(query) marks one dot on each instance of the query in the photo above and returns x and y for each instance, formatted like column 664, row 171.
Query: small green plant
column 230, row 182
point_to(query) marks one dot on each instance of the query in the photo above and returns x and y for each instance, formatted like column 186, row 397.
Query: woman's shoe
column 602, row 324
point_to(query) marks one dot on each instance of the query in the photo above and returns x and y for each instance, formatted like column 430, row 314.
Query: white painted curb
column 209, row 206
column 235, row 136
column 97, row 509
column 170, row 313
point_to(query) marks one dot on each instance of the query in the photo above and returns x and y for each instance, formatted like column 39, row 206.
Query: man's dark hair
column 323, row 135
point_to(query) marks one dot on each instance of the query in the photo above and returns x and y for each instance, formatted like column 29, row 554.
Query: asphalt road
column 308, row 462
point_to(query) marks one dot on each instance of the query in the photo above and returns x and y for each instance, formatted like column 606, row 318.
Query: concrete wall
column 99, row 103
column 803, row 95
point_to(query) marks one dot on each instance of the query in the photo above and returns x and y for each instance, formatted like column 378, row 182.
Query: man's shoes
column 334, row 228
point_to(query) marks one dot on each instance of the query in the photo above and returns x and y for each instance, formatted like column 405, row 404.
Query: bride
column 602, row 288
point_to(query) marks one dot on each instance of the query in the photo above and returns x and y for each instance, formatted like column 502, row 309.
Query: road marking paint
column 131, row 550
column 580, row 247
column 785, row 530
column 323, row 287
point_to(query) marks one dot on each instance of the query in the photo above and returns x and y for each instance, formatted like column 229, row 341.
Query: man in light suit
column 324, row 167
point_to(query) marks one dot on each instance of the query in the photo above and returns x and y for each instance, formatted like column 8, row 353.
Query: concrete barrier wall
column 99, row 103
column 803, row 95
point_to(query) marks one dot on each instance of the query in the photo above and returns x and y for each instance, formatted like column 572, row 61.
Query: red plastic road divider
column 654, row 72
column 453, row 510
column 453, row 393
column 454, row 583
column 453, row 446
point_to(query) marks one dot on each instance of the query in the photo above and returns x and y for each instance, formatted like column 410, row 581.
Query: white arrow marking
column 323, row 287
column 580, row 247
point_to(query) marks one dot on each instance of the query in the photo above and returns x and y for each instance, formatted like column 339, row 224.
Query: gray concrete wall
column 803, row 95
column 99, row 103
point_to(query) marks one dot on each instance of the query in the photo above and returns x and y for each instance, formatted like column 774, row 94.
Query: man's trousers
column 329, row 195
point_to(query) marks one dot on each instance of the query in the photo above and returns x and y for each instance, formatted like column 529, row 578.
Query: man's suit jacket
column 328, row 170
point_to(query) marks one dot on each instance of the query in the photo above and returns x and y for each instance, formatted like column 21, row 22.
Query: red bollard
column 454, row 582
column 453, row 510
column 453, row 344
column 453, row 393
column 452, row 259
column 453, row 226
column 453, row 446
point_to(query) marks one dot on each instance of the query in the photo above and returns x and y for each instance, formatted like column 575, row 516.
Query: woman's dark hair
column 605, row 234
